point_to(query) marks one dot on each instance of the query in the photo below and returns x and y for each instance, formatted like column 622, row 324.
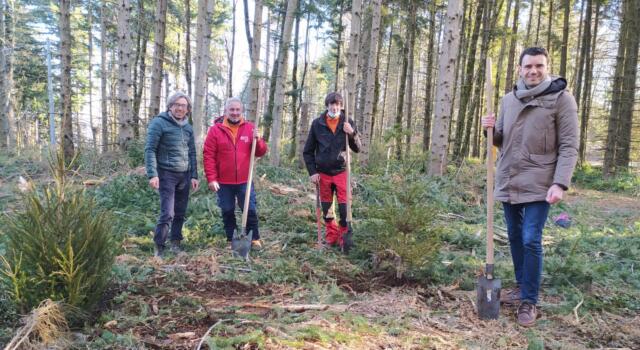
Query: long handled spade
column 241, row 242
column 489, row 286
column 318, row 217
column 347, row 242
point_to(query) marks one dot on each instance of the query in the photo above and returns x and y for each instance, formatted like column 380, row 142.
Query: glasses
column 180, row 105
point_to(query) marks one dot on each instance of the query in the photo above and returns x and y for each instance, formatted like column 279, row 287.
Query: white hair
column 231, row 100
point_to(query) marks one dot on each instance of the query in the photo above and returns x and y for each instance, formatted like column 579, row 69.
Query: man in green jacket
column 537, row 133
column 170, row 159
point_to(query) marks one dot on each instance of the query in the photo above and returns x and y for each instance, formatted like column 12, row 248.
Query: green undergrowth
column 409, row 228
column 628, row 182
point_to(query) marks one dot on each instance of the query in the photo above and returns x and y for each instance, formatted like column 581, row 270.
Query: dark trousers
column 525, row 222
column 174, row 196
column 228, row 196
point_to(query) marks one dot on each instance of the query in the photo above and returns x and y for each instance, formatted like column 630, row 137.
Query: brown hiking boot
column 527, row 314
column 510, row 296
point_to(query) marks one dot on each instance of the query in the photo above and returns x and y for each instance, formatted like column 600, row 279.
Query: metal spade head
column 489, row 297
column 241, row 244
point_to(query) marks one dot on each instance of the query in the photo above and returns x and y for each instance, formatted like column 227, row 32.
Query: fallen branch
column 227, row 267
column 290, row 308
column 575, row 310
column 209, row 331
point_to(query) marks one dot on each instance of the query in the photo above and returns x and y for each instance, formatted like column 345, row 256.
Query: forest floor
column 291, row 295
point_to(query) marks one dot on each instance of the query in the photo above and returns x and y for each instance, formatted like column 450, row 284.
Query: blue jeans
column 525, row 222
column 174, row 196
column 228, row 195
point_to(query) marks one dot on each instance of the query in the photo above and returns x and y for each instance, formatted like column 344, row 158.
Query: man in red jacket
column 226, row 155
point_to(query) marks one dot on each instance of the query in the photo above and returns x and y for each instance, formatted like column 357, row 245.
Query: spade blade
column 241, row 244
column 488, row 298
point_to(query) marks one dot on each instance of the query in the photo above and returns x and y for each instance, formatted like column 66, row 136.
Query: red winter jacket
column 226, row 162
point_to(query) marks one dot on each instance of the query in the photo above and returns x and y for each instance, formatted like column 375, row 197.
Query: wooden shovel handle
column 489, row 94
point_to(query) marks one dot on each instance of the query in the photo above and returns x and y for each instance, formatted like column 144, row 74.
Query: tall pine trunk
column 254, row 45
column 158, row 57
column 203, row 40
column 65, row 79
column 278, row 99
column 428, row 101
column 125, row 122
column 447, row 57
column 104, row 98
column 409, row 77
column 372, row 66
column 508, row 83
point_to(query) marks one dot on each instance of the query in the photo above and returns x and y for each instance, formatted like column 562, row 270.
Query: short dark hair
column 534, row 51
column 332, row 97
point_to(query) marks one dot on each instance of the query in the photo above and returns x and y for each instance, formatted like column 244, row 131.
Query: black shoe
column 158, row 251
column 175, row 247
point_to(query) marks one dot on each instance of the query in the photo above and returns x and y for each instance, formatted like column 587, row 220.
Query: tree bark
column 338, row 47
column 158, row 58
column 65, row 79
column 409, row 76
column 586, row 97
column 103, row 78
column 623, row 149
column 7, row 46
column 140, row 63
column 467, row 87
column 203, row 40
column 187, row 46
column 352, row 58
column 584, row 52
column 254, row 45
column 295, row 91
column 508, row 84
column 402, row 82
column 125, row 122
column 231, row 51
column 549, row 26
column 372, row 66
column 428, row 101
column 565, row 39
column 278, row 104
column 447, row 59
column 503, row 44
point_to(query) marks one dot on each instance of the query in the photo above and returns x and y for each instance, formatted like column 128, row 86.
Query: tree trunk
column 584, row 52
column 352, row 58
column 386, row 78
column 622, row 156
column 303, row 130
column 231, row 51
column 539, row 19
column 338, row 47
column 549, row 26
column 278, row 103
column 503, row 44
column 447, row 59
column 103, row 77
column 480, row 77
column 254, row 45
column 203, row 40
column 94, row 130
column 575, row 76
column 565, row 39
column 532, row 5
column 187, row 46
column 402, row 84
column 158, row 58
column 140, row 62
column 428, row 101
column 409, row 76
column 372, row 66
column 467, row 87
column 65, row 79
column 508, row 83
column 295, row 91
column 268, row 113
column 7, row 113
column 125, row 122
column 586, row 97
column 376, row 91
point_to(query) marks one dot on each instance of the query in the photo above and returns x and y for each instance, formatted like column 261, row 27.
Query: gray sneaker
column 175, row 247
column 158, row 251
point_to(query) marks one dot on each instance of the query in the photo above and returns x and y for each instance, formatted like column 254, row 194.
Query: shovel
column 347, row 242
column 318, row 217
column 488, row 290
column 241, row 242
